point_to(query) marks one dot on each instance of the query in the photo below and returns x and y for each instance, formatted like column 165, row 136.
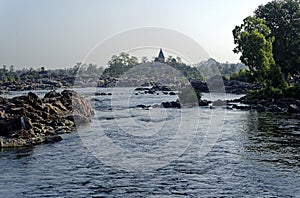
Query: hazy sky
column 59, row 33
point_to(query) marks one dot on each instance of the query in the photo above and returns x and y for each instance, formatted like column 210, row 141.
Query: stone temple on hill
column 161, row 57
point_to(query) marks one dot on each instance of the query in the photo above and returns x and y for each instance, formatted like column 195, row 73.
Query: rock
column 274, row 108
column 159, row 87
column 78, row 119
column 27, row 120
column 203, row 103
column 141, row 89
column 3, row 100
column 102, row 94
column 173, row 104
column 241, row 107
column 53, row 138
column 293, row 109
column 52, row 94
column 199, row 86
column 143, row 106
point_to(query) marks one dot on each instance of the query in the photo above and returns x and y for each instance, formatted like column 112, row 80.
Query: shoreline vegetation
column 269, row 77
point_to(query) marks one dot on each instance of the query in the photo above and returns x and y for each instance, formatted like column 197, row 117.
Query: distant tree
column 91, row 69
column 145, row 59
column 11, row 69
column 178, row 58
column 283, row 19
column 124, row 59
column 169, row 59
column 117, row 65
column 4, row 68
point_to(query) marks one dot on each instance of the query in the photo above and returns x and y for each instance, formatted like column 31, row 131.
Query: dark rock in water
column 143, row 106
column 149, row 92
column 203, row 103
column 158, row 87
column 293, row 109
column 173, row 104
column 274, row 108
column 289, row 105
column 141, row 89
column 53, row 138
column 103, row 94
column 217, row 83
column 200, row 86
column 28, row 120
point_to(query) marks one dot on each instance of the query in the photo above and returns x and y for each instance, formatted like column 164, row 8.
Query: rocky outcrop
column 286, row 105
column 230, row 86
column 28, row 120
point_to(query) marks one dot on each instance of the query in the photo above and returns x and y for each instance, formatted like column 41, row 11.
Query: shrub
column 265, row 93
column 189, row 96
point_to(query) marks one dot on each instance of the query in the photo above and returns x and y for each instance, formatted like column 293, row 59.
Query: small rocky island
column 28, row 120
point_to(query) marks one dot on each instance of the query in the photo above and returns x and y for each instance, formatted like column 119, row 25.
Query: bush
column 189, row 96
column 265, row 93
column 243, row 75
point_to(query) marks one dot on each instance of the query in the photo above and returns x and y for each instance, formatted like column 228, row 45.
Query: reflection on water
column 276, row 137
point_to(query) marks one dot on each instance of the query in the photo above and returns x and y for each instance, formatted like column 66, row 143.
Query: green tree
column 124, row 59
column 283, row 19
column 118, row 65
column 254, row 41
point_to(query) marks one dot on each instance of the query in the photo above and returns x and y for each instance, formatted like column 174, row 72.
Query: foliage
column 118, row 65
column 265, row 93
column 283, row 19
column 243, row 75
column 254, row 42
column 188, row 71
column 211, row 67
column 87, row 70
column 251, row 41
column 189, row 95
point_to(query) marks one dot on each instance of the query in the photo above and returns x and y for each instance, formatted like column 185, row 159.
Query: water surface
column 256, row 155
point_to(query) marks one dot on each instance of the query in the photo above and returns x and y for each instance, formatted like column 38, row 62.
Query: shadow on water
column 274, row 138
column 23, row 155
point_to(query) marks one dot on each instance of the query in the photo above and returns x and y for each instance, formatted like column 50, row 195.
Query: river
column 134, row 152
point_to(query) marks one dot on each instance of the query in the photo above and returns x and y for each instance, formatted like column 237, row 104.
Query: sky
column 60, row 33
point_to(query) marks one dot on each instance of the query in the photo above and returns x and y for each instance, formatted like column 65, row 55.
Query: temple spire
column 161, row 57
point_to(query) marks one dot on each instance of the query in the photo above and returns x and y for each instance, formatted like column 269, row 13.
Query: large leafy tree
column 119, row 64
column 254, row 41
column 283, row 19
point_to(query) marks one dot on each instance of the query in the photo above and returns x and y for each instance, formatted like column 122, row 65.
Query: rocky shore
column 284, row 105
column 28, row 120
column 230, row 86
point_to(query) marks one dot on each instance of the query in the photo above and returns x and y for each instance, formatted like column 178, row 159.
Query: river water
column 133, row 152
